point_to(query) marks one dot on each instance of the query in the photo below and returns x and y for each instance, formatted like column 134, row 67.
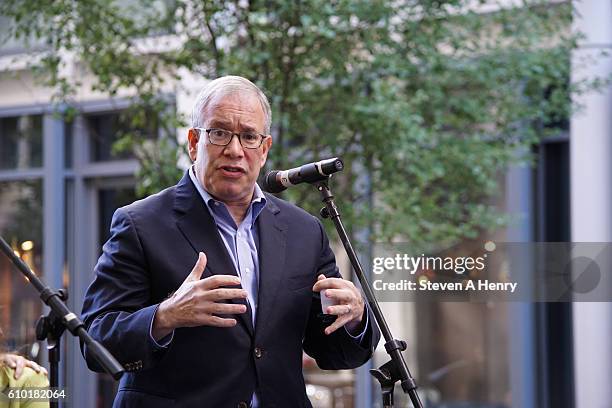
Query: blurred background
column 459, row 122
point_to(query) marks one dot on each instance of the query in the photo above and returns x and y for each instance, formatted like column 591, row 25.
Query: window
column 107, row 128
column 21, row 142
column 104, row 131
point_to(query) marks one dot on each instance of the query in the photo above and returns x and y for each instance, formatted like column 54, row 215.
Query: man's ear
column 266, row 145
column 192, row 143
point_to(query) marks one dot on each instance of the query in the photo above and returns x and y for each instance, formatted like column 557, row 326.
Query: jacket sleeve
column 117, row 309
column 338, row 350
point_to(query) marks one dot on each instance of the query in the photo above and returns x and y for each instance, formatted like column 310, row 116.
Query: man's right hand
column 197, row 302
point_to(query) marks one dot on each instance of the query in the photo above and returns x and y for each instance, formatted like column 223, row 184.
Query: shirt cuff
column 164, row 342
column 359, row 337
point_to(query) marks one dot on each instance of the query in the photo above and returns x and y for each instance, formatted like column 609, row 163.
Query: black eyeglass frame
column 263, row 137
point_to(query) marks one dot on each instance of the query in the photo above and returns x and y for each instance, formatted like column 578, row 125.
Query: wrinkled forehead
column 248, row 100
column 238, row 109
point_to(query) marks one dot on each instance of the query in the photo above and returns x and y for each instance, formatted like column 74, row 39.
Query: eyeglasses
column 222, row 137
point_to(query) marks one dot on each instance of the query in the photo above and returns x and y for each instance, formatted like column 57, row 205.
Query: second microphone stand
column 395, row 369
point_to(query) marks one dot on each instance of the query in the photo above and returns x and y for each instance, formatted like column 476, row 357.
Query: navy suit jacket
column 154, row 244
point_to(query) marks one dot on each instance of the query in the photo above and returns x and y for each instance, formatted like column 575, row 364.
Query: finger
column 44, row 371
column 320, row 278
column 340, row 321
column 339, row 310
column 225, row 294
column 198, row 268
column 220, row 321
column 9, row 360
column 226, row 308
column 19, row 368
column 215, row 281
column 33, row 366
column 340, row 295
column 328, row 283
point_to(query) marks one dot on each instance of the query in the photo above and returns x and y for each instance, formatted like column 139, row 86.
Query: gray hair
column 224, row 86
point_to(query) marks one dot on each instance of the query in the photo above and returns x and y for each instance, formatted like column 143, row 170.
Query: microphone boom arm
column 59, row 318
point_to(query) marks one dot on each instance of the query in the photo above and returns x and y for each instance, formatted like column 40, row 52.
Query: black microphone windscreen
column 271, row 184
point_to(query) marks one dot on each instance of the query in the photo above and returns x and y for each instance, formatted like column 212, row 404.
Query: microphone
column 278, row 180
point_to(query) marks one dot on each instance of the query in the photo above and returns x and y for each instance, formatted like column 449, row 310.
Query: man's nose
column 234, row 148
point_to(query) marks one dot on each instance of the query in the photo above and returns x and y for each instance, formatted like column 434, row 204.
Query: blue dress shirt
column 239, row 240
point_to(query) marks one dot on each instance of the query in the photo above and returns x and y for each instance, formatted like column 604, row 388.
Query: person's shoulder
column 29, row 378
column 33, row 379
column 152, row 205
column 162, row 198
column 5, row 376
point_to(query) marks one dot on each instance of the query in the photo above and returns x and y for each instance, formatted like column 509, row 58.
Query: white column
column 521, row 315
column 591, row 199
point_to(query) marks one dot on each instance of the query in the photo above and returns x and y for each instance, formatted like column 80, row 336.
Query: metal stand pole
column 395, row 369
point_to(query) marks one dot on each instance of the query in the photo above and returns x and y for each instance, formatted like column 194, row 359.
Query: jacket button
column 258, row 352
column 243, row 404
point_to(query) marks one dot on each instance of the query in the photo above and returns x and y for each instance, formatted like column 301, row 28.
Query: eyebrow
column 226, row 125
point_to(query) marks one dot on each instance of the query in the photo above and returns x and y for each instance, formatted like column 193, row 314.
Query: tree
column 431, row 99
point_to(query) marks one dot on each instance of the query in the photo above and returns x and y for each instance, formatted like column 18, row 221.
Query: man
column 229, row 330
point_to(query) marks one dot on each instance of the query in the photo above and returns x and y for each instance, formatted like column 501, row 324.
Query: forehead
column 239, row 110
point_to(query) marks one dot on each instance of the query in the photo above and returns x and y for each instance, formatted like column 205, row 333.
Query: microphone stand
column 52, row 326
column 395, row 369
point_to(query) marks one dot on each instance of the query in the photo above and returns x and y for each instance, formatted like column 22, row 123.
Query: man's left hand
column 347, row 299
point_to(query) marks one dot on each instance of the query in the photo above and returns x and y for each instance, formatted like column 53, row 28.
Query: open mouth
column 232, row 169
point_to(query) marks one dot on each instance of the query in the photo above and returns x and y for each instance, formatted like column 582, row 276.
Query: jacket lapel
column 198, row 226
column 272, row 246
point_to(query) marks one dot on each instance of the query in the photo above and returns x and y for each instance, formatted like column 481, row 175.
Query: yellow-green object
column 29, row 379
